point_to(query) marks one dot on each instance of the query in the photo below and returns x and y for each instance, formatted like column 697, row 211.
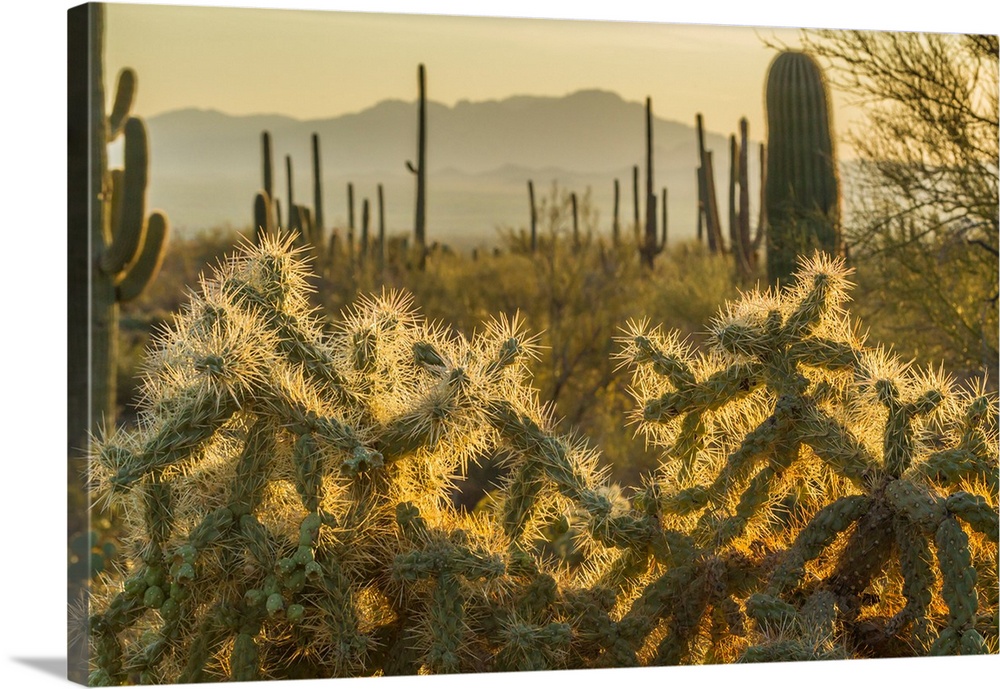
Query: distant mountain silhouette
column 206, row 165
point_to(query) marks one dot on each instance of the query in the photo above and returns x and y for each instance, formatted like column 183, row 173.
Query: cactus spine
column 420, row 171
column 803, row 191
column 127, row 247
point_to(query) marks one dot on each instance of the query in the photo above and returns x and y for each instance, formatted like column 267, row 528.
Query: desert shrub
column 285, row 496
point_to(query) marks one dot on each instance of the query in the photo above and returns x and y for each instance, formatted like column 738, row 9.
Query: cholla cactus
column 286, row 495
column 264, row 483
column 793, row 442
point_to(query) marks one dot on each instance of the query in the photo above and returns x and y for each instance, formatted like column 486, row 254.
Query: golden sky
column 316, row 64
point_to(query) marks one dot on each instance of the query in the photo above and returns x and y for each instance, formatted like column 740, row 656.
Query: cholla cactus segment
column 959, row 577
column 821, row 531
column 806, row 634
column 975, row 511
column 915, row 563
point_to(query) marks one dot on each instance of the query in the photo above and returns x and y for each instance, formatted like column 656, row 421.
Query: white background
column 33, row 326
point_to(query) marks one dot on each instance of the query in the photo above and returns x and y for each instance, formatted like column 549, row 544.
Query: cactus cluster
column 742, row 246
column 306, row 221
column 286, row 496
column 708, row 206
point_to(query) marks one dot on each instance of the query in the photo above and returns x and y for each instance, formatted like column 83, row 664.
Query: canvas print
column 406, row 345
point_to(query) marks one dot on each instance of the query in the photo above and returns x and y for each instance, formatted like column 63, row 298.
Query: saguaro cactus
column 317, row 192
column 803, row 190
column 635, row 202
column 266, row 164
column 262, row 215
column 663, row 213
column 739, row 205
column 381, row 229
column 365, row 237
column 616, row 230
column 709, row 204
column 264, row 208
column 700, row 204
column 420, row 171
column 350, row 221
column 649, row 249
column 293, row 209
column 574, row 212
column 534, row 216
column 126, row 246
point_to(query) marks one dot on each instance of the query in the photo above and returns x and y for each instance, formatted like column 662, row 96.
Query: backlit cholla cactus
column 286, row 497
column 286, row 491
column 844, row 473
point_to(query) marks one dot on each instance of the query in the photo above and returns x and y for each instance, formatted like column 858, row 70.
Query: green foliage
column 803, row 189
column 285, row 496
column 924, row 220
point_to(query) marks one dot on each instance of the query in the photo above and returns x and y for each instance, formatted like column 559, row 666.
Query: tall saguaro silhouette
column 420, row 170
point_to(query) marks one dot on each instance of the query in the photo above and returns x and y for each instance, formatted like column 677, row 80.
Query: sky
column 316, row 64
column 313, row 64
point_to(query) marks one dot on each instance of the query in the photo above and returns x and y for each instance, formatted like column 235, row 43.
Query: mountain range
column 205, row 166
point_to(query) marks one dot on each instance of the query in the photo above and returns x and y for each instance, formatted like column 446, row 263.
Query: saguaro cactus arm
column 146, row 266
